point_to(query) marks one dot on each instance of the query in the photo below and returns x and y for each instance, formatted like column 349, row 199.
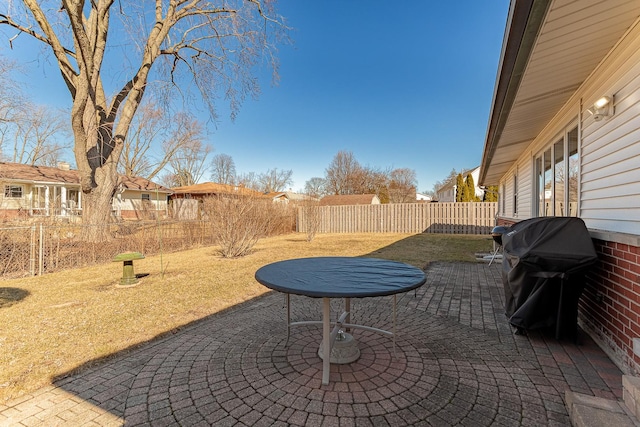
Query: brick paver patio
column 456, row 362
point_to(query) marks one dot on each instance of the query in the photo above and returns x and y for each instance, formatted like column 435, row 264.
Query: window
column 146, row 197
column 73, row 199
column 13, row 191
column 502, row 197
column 556, row 177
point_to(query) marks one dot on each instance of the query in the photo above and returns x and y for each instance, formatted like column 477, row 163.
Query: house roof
column 18, row 172
column 277, row 194
column 212, row 188
column 288, row 195
column 141, row 184
column 347, row 199
column 549, row 49
column 298, row 196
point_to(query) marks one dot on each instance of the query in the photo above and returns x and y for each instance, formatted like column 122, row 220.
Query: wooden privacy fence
column 446, row 218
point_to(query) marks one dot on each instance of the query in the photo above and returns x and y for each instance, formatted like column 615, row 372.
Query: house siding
column 525, row 186
column 129, row 205
column 52, row 201
column 611, row 157
column 609, row 197
column 55, row 192
column 12, row 206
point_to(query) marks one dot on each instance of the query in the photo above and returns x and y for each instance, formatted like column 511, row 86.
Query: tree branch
column 49, row 38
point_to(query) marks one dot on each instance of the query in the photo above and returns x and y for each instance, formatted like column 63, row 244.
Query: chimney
column 64, row 166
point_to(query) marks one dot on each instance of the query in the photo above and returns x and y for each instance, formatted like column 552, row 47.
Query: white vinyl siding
column 609, row 149
column 524, row 168
column 520, row 175
column 132, row 200
column 610, row 191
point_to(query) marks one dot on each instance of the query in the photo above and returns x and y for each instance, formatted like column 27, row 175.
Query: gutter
column 523, row 25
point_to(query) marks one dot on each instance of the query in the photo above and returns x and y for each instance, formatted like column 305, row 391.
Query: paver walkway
column 457, row 362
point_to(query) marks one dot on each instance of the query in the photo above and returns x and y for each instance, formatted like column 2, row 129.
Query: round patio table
column 339, row 277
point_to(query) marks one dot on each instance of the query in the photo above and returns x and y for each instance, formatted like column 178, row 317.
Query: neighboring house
column 447, row 193
column 211, row 189
column 350, row 199
column 563, row 139
column 42, row 191
column 186, row 201
column 287, row 197
column 279, row 197
column 33, row 191
column 139, row 198
column 422, row 197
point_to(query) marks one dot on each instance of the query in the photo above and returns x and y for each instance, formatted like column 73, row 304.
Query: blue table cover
column 340, row 277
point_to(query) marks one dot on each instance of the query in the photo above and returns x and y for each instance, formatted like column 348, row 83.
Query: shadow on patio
column 457, row 362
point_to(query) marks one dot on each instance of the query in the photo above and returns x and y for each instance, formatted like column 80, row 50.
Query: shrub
column 238, row 222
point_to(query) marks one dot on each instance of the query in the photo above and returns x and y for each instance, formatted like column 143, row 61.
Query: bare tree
column 274, row 180
column 248, row 180
column 188, row 163
column 315, row 187
column 11, row 100
column 146, row 128
column 450, row 179
column 374, row 181
column 177, row 136
column 214, row 46
column 29, row 133
column 41, row 136
column 224, row 169
column 343, row 174
column 169, row 180
column 402, row 186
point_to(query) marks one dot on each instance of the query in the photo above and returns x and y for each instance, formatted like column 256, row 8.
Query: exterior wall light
column 603, row 108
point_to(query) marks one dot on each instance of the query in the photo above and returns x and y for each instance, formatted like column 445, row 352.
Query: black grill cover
column 543, row 267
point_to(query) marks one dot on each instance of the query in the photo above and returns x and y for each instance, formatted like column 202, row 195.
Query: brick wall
column 610, row 304
column 13, row 214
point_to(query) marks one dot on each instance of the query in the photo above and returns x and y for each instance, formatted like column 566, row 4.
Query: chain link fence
column 45, row 248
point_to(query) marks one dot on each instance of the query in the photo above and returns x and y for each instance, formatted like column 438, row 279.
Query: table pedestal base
column 345, row 350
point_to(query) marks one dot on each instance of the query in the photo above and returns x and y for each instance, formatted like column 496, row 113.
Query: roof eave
column 524, row 23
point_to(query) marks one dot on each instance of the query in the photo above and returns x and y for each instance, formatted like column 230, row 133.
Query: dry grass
column 56, row 323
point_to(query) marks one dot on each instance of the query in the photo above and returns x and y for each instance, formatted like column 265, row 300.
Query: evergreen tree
column 491, row 194
column 459, row 188
column 471, row 189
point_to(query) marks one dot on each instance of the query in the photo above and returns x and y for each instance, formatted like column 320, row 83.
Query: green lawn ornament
column 128, row 276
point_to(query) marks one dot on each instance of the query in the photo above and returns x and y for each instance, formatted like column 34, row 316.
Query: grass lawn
column 52, row 324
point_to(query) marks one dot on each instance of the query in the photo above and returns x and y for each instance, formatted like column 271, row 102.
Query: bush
column 313, row 217
column 238, row 222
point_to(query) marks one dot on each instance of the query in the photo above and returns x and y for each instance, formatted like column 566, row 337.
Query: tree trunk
column 97, row 206
column 97, row 152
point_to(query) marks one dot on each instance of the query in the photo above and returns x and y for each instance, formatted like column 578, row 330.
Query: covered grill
column 497, row 233
column 543, row 268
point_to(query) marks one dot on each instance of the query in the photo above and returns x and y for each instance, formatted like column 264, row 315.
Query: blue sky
column 403, row 84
